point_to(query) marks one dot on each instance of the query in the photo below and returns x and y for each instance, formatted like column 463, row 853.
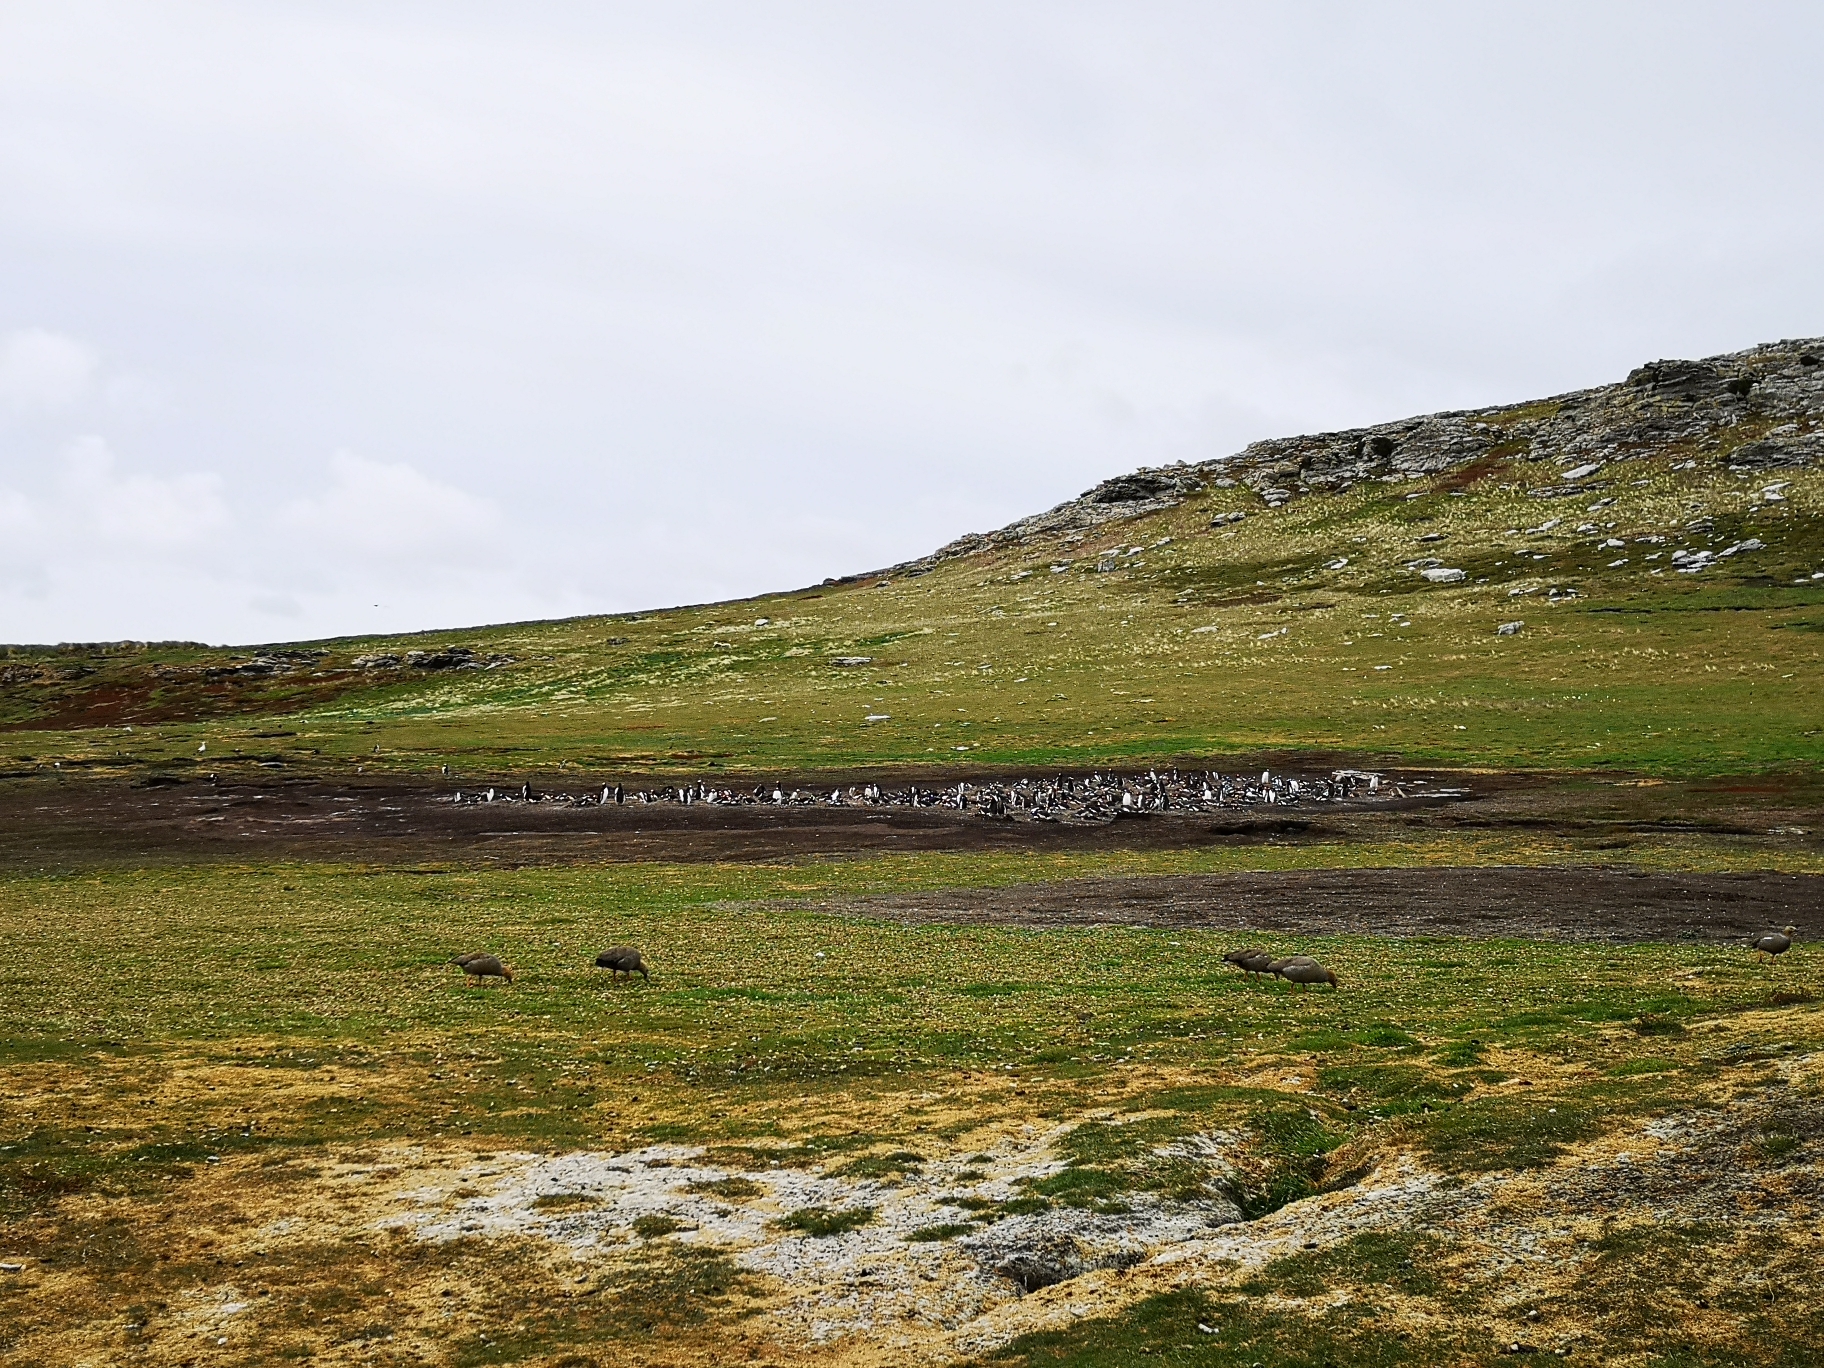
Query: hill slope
column 1629, row 576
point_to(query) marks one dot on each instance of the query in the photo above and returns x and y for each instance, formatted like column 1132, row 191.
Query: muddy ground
column 50, row 823
column 1577, row 904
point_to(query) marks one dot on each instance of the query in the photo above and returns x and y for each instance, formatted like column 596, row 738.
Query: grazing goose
column 480, row 968
column 1253, row 961
column 1773, row 944
column 1304, row 970
column 623, row 959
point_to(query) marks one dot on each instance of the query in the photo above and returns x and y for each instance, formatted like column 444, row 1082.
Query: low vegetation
column 1298, row 627
column 166, row 1032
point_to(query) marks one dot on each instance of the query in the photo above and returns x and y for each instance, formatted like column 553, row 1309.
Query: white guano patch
column 872, row 1282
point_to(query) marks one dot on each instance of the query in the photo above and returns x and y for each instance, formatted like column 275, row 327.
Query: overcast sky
column 331, row 318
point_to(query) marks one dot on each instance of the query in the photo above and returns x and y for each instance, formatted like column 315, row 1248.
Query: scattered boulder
column 1687, row 380
column 1778, row 453
column 450, row 658
column 1144, row 484
column 1444, row 574
column 1509, row 629
column 1046, row 1248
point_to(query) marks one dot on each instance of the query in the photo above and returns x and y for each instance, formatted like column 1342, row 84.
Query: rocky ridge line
column 1754, row 410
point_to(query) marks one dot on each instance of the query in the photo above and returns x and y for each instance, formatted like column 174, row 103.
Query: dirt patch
column 76, row 823
column 50, row 823
column 1580, row 904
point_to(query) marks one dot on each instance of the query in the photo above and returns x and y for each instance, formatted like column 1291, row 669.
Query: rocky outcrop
column 1760, row 409
column 1147, row 490
column 450, row 658
column 1755, row 410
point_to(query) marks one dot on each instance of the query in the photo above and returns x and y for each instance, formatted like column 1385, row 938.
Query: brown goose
column 1304, row 971
column 1773, row 944
column 623, row 959
column 1253, row 961
column 481, row 967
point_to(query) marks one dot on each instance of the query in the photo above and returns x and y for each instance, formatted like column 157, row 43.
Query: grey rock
column 1801, row 451
column 1509, row 629
column 1048, row 1248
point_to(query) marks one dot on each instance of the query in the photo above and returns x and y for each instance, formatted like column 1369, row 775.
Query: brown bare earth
column 55, row 823
column 1577, row 903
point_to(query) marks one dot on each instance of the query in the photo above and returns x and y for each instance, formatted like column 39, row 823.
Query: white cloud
column 90, row 511
column 18, row 531
column 679, row 302
column 45, row 370
column 276, row 605
column 386, row 511
column 125, row 513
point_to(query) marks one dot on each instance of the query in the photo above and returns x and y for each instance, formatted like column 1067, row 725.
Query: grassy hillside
column 1181, row 629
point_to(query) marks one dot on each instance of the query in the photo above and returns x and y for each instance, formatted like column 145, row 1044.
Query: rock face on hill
column 1759, row 409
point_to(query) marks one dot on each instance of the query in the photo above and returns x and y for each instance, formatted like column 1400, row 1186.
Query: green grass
column 1643, row 1291
column 1193, row 1327
column 1404, row 1261
column 948, row 1230
column 126, row 976
column 821, row 1222
column 979, row 662
column 881, row 1165
column 143, row 1037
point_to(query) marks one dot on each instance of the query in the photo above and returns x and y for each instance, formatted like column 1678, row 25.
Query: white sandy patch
column 872, row 1282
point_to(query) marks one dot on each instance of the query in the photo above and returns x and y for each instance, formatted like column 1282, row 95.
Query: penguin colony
column 1095, row 798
